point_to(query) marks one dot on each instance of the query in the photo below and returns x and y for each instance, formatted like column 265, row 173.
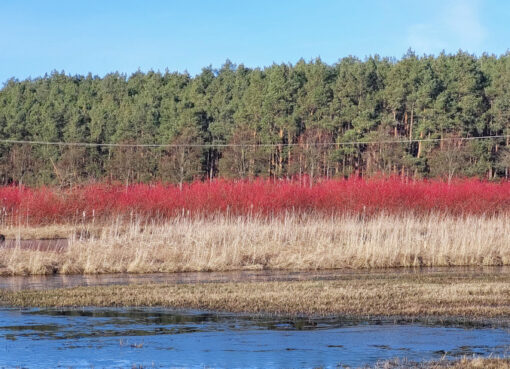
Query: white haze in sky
column 458, row 25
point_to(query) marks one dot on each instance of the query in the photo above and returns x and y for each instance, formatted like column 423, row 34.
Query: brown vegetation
column 464, row 363
column 464, row 296
column 289, row 242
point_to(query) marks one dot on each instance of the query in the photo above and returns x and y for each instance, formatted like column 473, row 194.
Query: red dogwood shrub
column 258, row 197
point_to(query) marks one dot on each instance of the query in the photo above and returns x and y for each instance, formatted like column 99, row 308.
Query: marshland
column 350, row 214
column 286, row 242
column 239, row 225
column 392, row 257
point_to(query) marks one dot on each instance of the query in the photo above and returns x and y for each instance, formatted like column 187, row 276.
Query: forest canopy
column 280, row 121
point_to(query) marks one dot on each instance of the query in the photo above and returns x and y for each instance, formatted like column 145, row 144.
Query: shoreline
column 453, row 299
column 429, row 321
column 463, row 363
column 54, row 281
column 454, row 296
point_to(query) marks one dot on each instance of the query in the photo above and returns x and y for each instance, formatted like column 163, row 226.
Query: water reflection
column 17, row 283
column 40, row 338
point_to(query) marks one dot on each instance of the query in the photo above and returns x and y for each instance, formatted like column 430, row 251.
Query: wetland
column 421, row 317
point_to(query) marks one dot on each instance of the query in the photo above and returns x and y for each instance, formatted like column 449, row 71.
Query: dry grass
column 463, row 295
column 477, row 363
column 47, row 232
column 465, row 363
column 289, row 242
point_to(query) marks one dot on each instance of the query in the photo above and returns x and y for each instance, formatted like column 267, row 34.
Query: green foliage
column 283, row 120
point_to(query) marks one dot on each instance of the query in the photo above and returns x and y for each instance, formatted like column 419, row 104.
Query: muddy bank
column 469, row 296
column 49, row 245
column 52, row 281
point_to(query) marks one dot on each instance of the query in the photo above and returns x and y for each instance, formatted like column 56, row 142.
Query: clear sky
column 101, row 36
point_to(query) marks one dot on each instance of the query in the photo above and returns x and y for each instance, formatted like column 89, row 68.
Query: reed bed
column 469, row 298
column 464, row 363
column 290, row 241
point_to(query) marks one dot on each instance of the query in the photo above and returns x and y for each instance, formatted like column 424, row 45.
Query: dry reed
column 465, row 296
column 464, row 363
column 285, row 242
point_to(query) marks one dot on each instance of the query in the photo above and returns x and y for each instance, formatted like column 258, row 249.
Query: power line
column 213, row 145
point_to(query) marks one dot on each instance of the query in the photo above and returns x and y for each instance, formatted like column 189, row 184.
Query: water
column 113, row 338
column 18, row 283
column 123, row 338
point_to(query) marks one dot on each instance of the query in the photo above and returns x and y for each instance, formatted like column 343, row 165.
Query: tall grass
column 22, row 205
column 292, row 241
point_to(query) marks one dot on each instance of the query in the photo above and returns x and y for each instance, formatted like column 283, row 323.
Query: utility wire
column 213, row 145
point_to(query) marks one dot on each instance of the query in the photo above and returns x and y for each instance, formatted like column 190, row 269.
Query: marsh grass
column 281, row 242
column 45, row 232
column 464, row 363
column 447, row 296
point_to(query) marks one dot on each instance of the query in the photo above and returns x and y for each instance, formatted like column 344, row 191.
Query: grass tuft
column 292, row 241
column 446, row 297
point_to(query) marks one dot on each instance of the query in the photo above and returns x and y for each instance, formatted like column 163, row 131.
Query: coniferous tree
column 284, row 120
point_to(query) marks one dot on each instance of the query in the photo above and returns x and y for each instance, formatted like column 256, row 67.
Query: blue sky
column 101, row 36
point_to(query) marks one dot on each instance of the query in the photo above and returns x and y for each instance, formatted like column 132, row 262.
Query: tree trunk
column 395, row 129
column 420, row 145
column 406, row 129
column 280, row 153
column 181, row 174
column 411, row 124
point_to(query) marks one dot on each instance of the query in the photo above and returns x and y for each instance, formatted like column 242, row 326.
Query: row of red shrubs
column 266, row 197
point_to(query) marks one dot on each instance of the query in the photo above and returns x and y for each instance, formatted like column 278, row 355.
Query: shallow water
column 113, row 338
column 17, row 283
column 126, row 337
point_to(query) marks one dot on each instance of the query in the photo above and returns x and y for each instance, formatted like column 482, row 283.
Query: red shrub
column 266, row 197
